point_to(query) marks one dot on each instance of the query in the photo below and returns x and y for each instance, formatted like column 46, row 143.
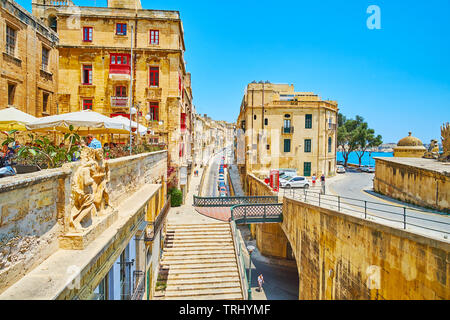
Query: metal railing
column 403, row 217
column 232, row 201
column 287, row 130
column 257, row 213
column 237, row 240
column 159, row 221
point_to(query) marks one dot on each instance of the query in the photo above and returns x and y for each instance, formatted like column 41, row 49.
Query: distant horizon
column 396, row 77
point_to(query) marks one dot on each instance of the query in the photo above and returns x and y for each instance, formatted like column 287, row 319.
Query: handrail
column 240, row 259
column 231, row 201
column 401, row 215
column 159, row 219
column 257, row 213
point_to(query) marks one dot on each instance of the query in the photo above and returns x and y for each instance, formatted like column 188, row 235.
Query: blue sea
column 367, row 159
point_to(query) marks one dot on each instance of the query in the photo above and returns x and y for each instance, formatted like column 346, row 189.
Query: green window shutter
column 308, row 121
column 287, row 145
column 307, row 169
column 307, row 145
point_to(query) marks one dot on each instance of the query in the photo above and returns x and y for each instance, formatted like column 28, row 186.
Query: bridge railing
column 242, row 266
column 405, row 217
column 232, row 201
column 257, row 213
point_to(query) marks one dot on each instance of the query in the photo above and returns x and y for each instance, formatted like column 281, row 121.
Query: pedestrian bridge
column 242, row 210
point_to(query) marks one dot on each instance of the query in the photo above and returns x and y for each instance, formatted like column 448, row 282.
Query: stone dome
column 410, row 141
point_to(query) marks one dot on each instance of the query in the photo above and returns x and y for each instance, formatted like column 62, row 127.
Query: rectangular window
column 11, row 35
column 121, row 91
column 154, row 111
column 287, row 145
column 87, row 104
column 121, row 29
column 87, row 34
column 87, row 74
column 45, row 102
column 154, row 36
column 307, row 145
column 183, row 121
column 45, row 53
column 266, row 121
column 11, row 93
column 154, row 76
column 307, row 169
column 308, row 121
column 330, row 143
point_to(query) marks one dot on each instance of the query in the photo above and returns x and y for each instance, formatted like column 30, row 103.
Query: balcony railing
column 287, row 130
column 332, row 126
column 119, row 102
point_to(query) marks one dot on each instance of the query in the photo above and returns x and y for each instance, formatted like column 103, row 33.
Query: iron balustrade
column 287, row 130
column 238, row 241
column 159, row 221
column 257, row 213
column 401, row 216
column 232, row 201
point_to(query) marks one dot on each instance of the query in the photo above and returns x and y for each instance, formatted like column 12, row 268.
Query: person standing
column 314, row 180
column 260, row 282
column 322, row 181
column 92, row 142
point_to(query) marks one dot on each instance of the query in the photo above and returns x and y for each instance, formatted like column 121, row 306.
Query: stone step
column 205, row 270
column 200, row 240
column 190, row 281
column 189, row 265
column 200, row 236
column 213, row 261
column 183, row 253
column 199, row 292
column 226, row 296
column 198, row 276
column 176, row 231
column 197, row 224
column 203, row 286
column 203, row 257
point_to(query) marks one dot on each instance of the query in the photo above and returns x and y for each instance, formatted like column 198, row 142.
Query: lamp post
column 250, row 250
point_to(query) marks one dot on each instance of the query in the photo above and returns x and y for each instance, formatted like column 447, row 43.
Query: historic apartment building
column 298, row 131
column 29, row 62
column 122, row 54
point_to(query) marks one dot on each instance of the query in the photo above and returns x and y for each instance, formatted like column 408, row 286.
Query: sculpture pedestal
column 80, row 240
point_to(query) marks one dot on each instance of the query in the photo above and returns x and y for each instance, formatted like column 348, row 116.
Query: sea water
column 366, row 160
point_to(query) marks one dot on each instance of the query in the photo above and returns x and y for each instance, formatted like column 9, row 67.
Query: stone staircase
column 200, row 263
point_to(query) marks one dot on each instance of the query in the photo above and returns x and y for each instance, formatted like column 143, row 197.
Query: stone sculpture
column 445, row 137
column 433, row 150
column 90, row 196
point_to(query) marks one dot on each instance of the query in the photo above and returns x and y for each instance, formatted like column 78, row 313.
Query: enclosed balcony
column 119, row 66
column 119, row 102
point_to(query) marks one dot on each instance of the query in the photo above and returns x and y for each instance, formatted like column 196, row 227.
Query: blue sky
column 397, row 78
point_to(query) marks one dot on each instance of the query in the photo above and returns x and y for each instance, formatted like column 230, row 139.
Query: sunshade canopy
column 83, row 122
column 125, row 121
column 14, row 119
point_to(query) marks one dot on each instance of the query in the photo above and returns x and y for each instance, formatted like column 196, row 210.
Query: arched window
column 52, row 23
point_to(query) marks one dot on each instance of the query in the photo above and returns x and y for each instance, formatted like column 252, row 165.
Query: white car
column 296, row 182
column 340, row 169
column 285, row 177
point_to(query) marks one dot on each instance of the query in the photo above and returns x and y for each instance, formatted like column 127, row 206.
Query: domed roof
column 410, row 141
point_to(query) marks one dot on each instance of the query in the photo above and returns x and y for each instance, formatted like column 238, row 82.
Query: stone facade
column 298, row 131
column 29, row 62
column 343, row 257
column 95, row 70
column 35, row 210
column 424, row 182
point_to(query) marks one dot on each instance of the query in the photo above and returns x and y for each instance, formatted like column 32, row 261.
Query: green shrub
column 176, row 197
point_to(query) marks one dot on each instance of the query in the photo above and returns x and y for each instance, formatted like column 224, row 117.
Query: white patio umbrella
column 83, row 122
column 142, row 129
column 14, row 119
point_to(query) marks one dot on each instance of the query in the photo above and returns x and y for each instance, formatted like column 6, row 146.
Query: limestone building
column 122, row 54
column 281, row 128
column 29, row 62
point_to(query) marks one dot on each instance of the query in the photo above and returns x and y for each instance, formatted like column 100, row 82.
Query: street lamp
column 250, row 250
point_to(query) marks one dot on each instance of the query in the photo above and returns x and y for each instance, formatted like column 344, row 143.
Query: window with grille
column 87, row 34
column 307, row 145
column 154, row 36
column 87, row 104
column 87, row 74
column 45, row 54
column 154, row 111
column 154, row 76
column 11, row 35
column 121, row 29
column 308, row 121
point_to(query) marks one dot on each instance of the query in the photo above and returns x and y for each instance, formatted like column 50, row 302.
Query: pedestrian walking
column 322, row 181
column 260, row 282
column 314, row 180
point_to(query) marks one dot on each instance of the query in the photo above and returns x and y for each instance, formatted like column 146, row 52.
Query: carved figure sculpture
column 433, row 150
column 445, row 137
column 89, row 192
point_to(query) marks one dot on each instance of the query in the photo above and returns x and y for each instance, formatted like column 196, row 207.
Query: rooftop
column 421, row 163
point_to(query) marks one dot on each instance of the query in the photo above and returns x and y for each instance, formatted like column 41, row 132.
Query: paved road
column 359, row 185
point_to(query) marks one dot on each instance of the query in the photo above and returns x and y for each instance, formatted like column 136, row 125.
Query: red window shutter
column 154, row 76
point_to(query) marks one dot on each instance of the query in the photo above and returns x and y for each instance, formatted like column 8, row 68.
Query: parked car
column 290, row 172
column 340, row 169
column 341, row 163
column 296, row 182
column 371, row 169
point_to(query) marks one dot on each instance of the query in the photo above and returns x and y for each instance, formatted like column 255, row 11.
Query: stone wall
column 418, row 184
column 35, row 208
column 344, row 257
